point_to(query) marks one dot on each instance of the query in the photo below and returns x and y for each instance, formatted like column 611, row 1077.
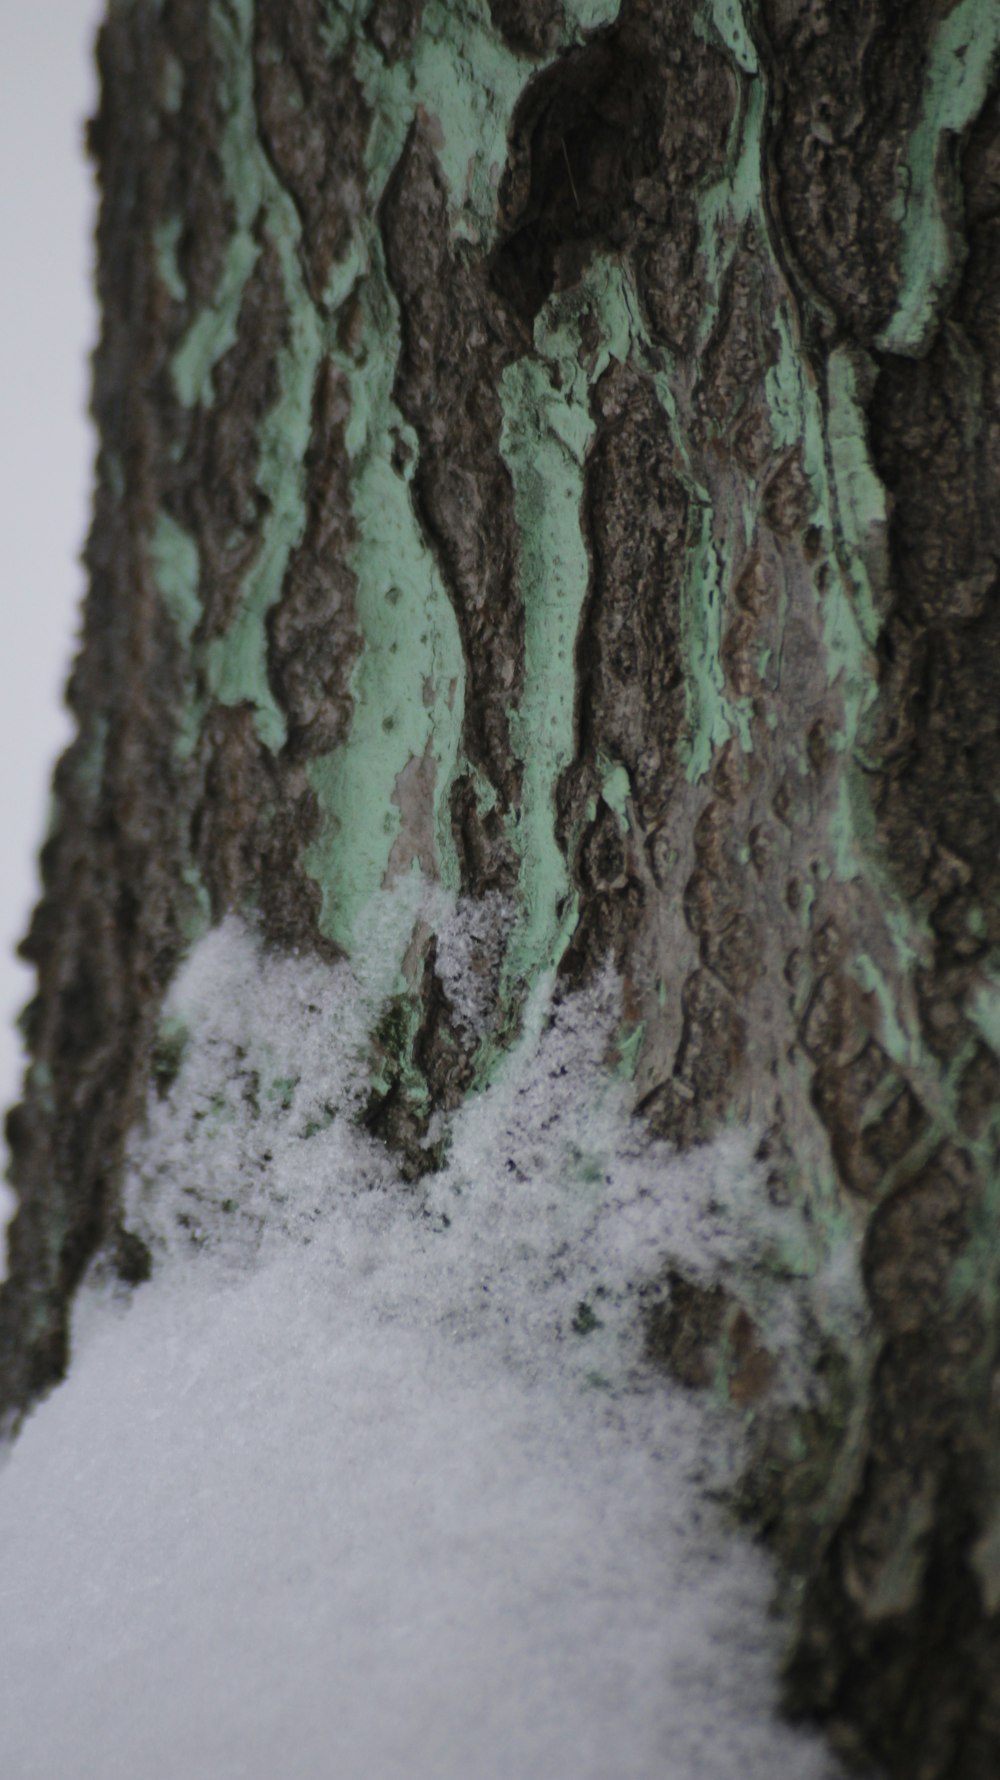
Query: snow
column 342, row 1491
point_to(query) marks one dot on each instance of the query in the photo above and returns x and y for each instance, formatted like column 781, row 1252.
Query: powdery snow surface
column 342, row 1492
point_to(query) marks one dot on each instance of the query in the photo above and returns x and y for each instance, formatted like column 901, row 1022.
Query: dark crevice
column 599, row 153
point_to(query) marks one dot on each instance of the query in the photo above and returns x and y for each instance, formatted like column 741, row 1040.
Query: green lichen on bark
column 548, row 458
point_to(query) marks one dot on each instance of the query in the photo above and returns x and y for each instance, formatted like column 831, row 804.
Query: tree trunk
column 553, row 450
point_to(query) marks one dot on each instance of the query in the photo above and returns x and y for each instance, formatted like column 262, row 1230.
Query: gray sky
column 47, row 88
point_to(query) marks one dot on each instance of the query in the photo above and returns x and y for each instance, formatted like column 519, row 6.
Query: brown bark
column 836, row 994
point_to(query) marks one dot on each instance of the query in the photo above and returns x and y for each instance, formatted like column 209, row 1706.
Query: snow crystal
column 373, row 1479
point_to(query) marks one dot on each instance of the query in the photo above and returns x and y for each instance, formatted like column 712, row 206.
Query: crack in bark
column 456, row 341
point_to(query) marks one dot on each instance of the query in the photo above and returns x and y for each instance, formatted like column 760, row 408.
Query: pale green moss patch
column 466, row 84
column 861, row 508
column 962, row 61
column 725, row 18
column 195, row 907
column 213, row 331
column 408, row 682
column 547, row 429
column 173, row 553
column 175, row 562
column 733, row 200
column 616, row 790
column 39, row 1080
column 172, row 84
column 236, row 664
column 986, row 1563
column 165, row 239
column 629, row 1047
column 984, row 1012
column 90, row 759
column 906, row 1048
column 712, row 717
column 590, row 15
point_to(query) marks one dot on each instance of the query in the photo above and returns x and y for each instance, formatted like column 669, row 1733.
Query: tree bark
column 554, row 448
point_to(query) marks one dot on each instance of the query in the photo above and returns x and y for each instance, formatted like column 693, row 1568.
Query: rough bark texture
column 564, row 443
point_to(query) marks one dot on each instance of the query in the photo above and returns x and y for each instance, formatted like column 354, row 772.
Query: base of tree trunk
column 552, row 450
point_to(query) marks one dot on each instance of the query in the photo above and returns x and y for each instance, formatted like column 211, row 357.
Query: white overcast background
column 47, row 328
